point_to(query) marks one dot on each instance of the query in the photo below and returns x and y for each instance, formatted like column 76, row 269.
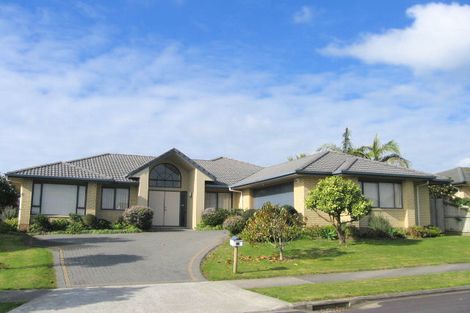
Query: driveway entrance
column 124, row 259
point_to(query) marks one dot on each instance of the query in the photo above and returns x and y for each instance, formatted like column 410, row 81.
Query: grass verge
column 307, row 256
column 347, row 289
column 22, row 266
column 7, row 306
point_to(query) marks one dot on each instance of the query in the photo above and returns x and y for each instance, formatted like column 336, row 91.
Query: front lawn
column 306, row 256
column 347, row 289
column 22, row 266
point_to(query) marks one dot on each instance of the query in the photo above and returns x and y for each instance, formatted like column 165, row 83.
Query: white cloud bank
column 67, row 94
column 438, row 39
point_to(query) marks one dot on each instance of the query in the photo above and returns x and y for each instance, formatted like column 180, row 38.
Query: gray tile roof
column 228, row 171
column 459, row 175
column 118, row 167
column 331, row 163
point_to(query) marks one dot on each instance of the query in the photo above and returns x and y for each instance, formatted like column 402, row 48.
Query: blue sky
column 253, row 80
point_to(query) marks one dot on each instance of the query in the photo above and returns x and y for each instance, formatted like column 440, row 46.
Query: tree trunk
column 340, row 231
column 281, row 249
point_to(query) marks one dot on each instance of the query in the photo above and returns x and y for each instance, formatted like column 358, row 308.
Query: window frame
column 114, row 197
column 41, row 185
column 217, row 198
column 155, row 185
column 379, row 206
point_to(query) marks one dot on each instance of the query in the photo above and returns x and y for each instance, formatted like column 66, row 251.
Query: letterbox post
column 235, row 259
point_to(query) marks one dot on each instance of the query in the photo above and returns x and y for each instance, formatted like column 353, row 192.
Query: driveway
column 130, row 259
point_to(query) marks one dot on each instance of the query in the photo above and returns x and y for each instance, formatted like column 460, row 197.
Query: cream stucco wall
column 464, row 191
column 26, row 192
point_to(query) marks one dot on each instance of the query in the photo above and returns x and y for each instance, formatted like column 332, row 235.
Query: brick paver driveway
column 124, row 259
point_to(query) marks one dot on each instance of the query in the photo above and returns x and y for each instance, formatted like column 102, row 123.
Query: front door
column 166, row 207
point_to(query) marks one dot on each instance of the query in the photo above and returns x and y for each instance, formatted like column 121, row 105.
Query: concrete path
column 204, row 297
column 129, row 259
column 318, row 278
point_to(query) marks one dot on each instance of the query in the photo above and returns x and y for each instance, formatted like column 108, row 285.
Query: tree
column 275, row 225
column 388, row 152
column 8, row 194
column 341, row 199
column 297, row 157
column 443, row 191
column 346, row 145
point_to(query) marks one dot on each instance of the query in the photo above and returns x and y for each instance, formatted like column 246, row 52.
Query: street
column 456, row 302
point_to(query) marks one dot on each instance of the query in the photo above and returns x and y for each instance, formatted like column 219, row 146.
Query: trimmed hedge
column 138, row 216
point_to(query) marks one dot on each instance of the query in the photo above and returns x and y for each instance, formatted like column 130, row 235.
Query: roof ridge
column 33, row 167
column 87, row 170
column 138, row 155
column 317, row 156
column 347, row 164
column 244, row 162
column 86, row 158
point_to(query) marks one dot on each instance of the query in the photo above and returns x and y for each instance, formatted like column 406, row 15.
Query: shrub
column 40, row 224
column 324, row 232
column 102, row 224
column 214, row 217
column 89, row 220
column 462, row 201
column 234, row 224
column 8, row 225
column 75, row 217
column 75, row 227
column 379, row 227
column 274, row 225
column 248, row 214
column 423, row 231
column 59, row 224
column 138, row 216
column 8, row 213
column 290, row 209
column 234, row 212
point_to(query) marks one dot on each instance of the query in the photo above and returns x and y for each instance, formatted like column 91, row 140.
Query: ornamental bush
column 8, row 225
column 247, row 214
column 89, row 220
column 214, row 217
column 102, row 224
column 8, row 213
column 59, row 224
column 234, row 224
column 274, row 225
column 320, row 232
column 40, row 224
column 138, row 216
column 423, row 231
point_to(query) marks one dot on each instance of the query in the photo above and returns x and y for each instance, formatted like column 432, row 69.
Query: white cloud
column 303, row 16
column 66, row 97
column 464, row 162
column 437, row 39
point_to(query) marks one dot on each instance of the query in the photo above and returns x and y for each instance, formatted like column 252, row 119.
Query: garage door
column 279, row 194
column 58, row 199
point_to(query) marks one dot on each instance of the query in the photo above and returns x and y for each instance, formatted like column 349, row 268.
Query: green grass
column 24, row 267
column 336, row 290
column 307, row 256
column 7, row 306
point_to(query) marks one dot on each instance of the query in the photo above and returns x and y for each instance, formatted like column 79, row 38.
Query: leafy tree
column 338, row 197
column 297, row 157
column 8, row 194
column 388, row 152
column 346, row 145
column 275, row 225
column 443, row 191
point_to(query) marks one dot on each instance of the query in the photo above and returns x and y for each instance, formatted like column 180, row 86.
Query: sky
column 252, row 80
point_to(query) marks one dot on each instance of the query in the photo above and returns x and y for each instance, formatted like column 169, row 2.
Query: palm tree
column 346, row 145
column 388, row 152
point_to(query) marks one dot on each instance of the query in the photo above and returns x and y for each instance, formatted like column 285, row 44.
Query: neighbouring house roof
column 459, row 175
column 331, row 163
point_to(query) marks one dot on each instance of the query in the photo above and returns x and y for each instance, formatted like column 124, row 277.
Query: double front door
column 166, row 207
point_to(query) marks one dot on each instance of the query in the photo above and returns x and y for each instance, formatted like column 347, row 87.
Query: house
column 178, row 188
column 460, row 177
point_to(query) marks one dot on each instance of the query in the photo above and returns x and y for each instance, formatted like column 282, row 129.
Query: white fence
column 449, row 217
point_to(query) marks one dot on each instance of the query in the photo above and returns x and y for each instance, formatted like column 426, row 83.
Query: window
column 166, row 176
column 114, row 198
column 218, row 200
column 383, row 195
column 58, row 199
column 280, row 194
